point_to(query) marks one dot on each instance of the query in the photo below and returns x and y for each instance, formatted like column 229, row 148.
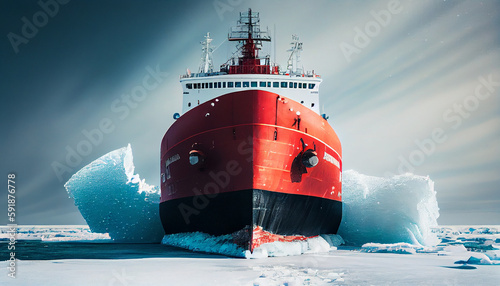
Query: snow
column 316, row 244
column 54, row 233
column 448, row 263
column 401, row 248
column 113, row 200
column 335, row 267
column 455, row 248
column 477, row 258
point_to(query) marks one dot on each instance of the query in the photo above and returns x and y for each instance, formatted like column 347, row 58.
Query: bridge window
column 300, row 85
column 276, row 84
column 294, row 85
column 253, row 84
column 230, row 84
column 237, row 84
column 262, row 84
column 218, row 84
column 283, row 84
column 304, row 85
column 268, row 84
column 246, row 84
column 189, row 85
column 290, row 84
column 210, row 85
column 312, row 85
column 224, row 85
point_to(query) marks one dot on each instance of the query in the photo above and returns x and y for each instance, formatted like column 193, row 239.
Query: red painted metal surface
column 260, row 236
column 251, row 140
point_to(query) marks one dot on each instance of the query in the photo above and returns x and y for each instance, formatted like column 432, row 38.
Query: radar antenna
column 250, row 37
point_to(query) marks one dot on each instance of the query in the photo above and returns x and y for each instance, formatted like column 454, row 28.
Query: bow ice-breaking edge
column 251, row 156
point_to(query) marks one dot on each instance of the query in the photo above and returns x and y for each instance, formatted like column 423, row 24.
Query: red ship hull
column 250, row 176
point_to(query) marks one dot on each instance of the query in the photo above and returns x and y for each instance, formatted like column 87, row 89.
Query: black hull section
column 224, row 213
column 230, row 212
column 288, row 214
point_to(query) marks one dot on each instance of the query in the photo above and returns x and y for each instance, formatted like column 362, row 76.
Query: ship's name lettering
column 329, row 158
column 172, row 159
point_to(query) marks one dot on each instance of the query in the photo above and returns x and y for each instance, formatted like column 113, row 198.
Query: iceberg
column 113, row 200
column 401, row 248
column 478, row 259
column 53, row 233
column 388, row 210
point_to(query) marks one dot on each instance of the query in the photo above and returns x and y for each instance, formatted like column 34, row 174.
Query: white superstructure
column 247, row 71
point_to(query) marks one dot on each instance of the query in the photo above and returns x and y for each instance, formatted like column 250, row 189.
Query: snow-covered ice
column 54, row 233
column 344, row 266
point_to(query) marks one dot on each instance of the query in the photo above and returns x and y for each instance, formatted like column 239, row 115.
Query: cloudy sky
column 408, row 85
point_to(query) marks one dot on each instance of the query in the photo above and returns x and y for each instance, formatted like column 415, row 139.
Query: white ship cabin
column 199, row 89
column 247, row 71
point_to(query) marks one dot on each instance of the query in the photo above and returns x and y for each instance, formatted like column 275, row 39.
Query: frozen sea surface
column 96, row 262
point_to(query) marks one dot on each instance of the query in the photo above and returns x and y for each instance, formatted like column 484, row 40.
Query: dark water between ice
column 40, row 250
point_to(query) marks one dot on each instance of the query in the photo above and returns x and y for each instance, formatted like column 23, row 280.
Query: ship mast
column 206, row 65
column 294, row 58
